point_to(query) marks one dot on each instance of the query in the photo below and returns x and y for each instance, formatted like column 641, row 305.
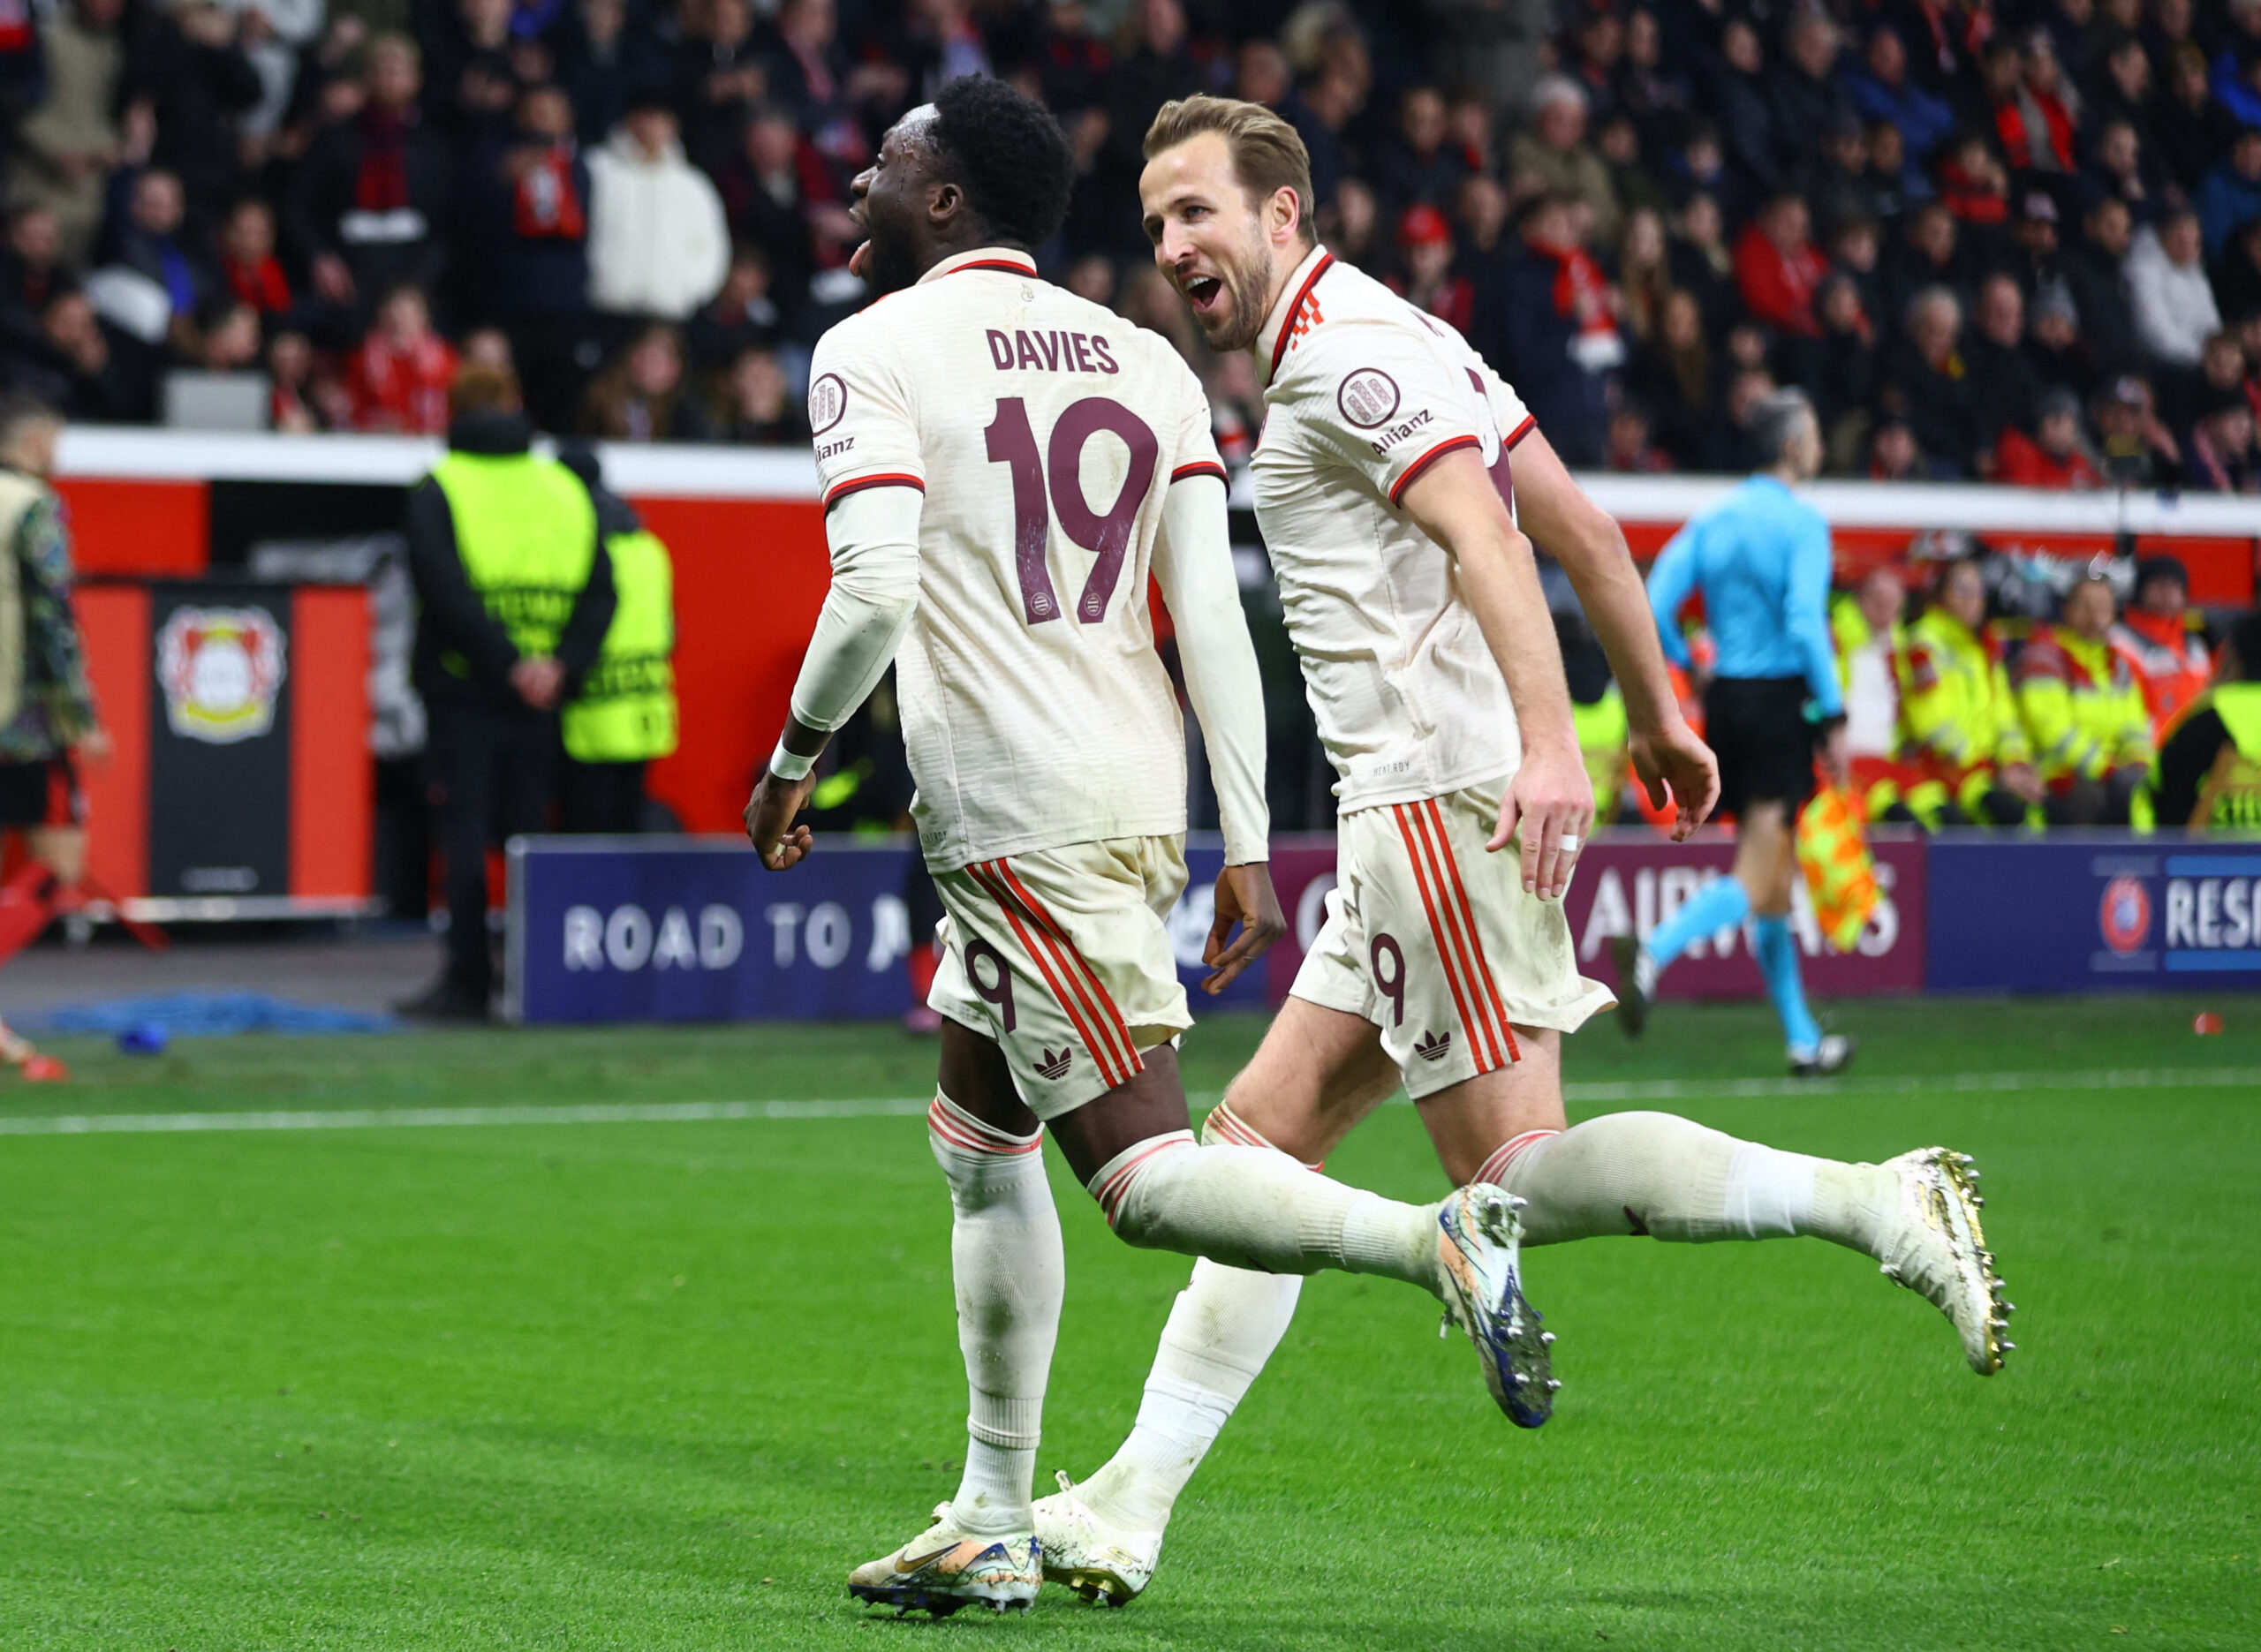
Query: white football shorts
column 1064, row 957
column 1432, row 938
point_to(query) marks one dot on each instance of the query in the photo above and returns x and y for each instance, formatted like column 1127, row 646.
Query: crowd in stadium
column 2017, row 239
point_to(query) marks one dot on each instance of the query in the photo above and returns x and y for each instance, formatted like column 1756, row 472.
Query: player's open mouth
column 1203, row 291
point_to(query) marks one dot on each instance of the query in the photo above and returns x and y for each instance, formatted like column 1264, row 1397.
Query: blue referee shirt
column 1761, row 558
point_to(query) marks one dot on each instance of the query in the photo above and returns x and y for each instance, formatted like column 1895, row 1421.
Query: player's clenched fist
column 769, row 814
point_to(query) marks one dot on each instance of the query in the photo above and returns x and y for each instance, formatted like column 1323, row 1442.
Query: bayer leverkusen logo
column 221, row 669
column 2124, row 913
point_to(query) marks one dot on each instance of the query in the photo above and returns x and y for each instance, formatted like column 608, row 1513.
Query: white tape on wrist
column 788, row 766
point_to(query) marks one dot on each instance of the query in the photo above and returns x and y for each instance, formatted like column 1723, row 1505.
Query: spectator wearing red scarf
column 1561, row 329
column 398, row 379
column 530, row 197
column 2035, row 115
column 1777, row 267
column 248, row 266
column 370, row 199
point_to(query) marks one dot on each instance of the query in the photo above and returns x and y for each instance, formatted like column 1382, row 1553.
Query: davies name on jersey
column 1051, row 351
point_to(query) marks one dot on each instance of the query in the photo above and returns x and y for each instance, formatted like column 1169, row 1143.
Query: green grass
column 654, row 1386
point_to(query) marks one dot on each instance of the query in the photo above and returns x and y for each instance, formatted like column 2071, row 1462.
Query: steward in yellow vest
column 1869, row 633
column 513, row 601
column 2084, row 713
column 2208, row 773
column 625, row 713
column 1961, row 729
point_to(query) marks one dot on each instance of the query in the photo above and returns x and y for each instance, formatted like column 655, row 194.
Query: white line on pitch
column 908, row 1106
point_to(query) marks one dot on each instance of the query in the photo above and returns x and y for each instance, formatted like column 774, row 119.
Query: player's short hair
column 482, row 388
column 1009, row 156
column 20, row 411
column 1268, row 154
column 1775, row 417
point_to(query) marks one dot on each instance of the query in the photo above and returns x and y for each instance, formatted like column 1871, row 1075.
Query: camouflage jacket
column 58, row 705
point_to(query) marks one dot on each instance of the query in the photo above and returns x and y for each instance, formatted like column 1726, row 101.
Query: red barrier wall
column 750, row 576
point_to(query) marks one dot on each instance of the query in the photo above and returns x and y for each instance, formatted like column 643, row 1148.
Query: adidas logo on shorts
column 1055, row 1066
column 1435, row 1046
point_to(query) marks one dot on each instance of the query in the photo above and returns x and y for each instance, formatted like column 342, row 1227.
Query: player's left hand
column 1244, row 896
column 769, row 821
column 1675, row 758
column 1551, row 798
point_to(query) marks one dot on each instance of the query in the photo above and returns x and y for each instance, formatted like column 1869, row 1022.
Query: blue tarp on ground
column 213, row 1015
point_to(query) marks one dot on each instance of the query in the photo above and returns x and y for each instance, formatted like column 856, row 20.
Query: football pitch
column 602, row 1378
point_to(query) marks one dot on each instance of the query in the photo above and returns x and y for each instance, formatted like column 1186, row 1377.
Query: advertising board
column 696, row 929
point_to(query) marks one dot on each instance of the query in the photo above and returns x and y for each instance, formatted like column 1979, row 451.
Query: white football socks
column 1672, row 1179
column 1222, row 1328
column 1251, row 1207
column 1006, row 1258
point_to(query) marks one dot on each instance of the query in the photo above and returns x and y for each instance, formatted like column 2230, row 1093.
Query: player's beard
column 1249, row 279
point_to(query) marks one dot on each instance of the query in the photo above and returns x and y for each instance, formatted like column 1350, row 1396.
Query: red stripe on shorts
column 1112, row 1025
column 985, row 875
column 1446, row 953
column 1474, row 966
column 1475, row 935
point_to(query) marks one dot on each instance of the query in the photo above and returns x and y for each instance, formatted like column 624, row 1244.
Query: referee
column 1760, row 557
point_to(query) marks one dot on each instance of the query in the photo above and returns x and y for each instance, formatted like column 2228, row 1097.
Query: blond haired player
column 1445, row 964
column 1003, row 464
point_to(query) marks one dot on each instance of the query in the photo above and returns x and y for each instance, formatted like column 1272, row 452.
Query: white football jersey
column 1363, row 392
column 1045, row 432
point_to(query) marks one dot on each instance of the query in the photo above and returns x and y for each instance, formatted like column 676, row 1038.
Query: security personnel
column 2208, row 775
column 513, row 600
column 625, row 712
column 2164, row 640
column 1964, row 735
column 1866, row 627
column 2084, row 713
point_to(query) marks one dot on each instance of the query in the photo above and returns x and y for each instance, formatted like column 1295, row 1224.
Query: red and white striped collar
column 1010, row 260
column 1279, row 329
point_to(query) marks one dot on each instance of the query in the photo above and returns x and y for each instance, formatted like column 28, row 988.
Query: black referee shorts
column 1756, row 727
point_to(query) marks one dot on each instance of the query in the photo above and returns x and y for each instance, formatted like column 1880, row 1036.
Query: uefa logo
column 2124, row 915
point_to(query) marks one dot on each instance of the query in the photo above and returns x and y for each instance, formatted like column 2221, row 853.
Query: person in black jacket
column 368, row 209
column 528, row 214
column 491, row 760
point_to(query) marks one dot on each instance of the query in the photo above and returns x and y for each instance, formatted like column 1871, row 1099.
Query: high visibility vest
column 1603, row 734
column 2082, row 707
column 625, row 712
column 2229, row 798
column 526, row 533
column 1957, row 717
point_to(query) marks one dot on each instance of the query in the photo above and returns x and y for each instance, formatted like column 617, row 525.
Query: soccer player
column 1760, row 557
column 1445, row 964
column 1002, row 463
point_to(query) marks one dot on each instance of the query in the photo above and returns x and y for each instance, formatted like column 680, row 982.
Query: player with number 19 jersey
column 1043, row 431
column 1045, row 434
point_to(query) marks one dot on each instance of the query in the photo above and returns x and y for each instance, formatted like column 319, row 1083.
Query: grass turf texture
column 654, row 1386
